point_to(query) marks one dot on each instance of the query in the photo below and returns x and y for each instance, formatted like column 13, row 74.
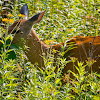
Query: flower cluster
column 8, row 20
column 21, row 15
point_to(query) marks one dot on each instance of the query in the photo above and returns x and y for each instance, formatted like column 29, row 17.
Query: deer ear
column 37, row 18
column 24, row 10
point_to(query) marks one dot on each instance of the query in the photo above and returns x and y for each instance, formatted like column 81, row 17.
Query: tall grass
column 20, row 80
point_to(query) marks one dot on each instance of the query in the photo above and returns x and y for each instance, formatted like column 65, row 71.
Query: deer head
column 23, row 27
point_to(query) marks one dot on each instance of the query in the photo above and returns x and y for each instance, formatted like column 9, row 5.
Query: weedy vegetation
column 64, row 19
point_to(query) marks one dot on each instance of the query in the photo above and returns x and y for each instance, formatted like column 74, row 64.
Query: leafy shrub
column 19, row 79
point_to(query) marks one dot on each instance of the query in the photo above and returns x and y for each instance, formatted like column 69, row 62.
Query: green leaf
column 74, row 74
column 55, row 93
column 98, row 75
column 41, row 70
column 9, row 50
column 14, row 84
column 50, row 76
column 12, row 78
column 5, row 67
column 77, row 69
column 75, row 90
column 96, row 97
column 9, row 37
column 57, row 81
column 1, row 41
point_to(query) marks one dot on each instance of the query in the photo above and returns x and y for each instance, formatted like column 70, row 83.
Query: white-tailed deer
column 87, row 47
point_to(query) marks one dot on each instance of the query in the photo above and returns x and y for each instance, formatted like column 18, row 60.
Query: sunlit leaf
column 2, row 41
column 55, row 93
column 50, row 76
column 57, row 81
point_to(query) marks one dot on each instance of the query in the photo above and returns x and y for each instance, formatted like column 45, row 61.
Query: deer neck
column 34, row 41
column 35, row 48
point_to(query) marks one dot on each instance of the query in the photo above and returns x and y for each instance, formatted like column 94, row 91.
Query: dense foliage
column 19, row 79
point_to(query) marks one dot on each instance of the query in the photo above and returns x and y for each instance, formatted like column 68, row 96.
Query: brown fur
column 87, row 47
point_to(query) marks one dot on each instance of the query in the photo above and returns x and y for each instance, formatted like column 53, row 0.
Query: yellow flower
column 20, row 15
column 54, row 51
column 49, row 41
column 5, row 20
column 73, row 59
column 11, row 20
column 0, row 7
column 10, row 15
